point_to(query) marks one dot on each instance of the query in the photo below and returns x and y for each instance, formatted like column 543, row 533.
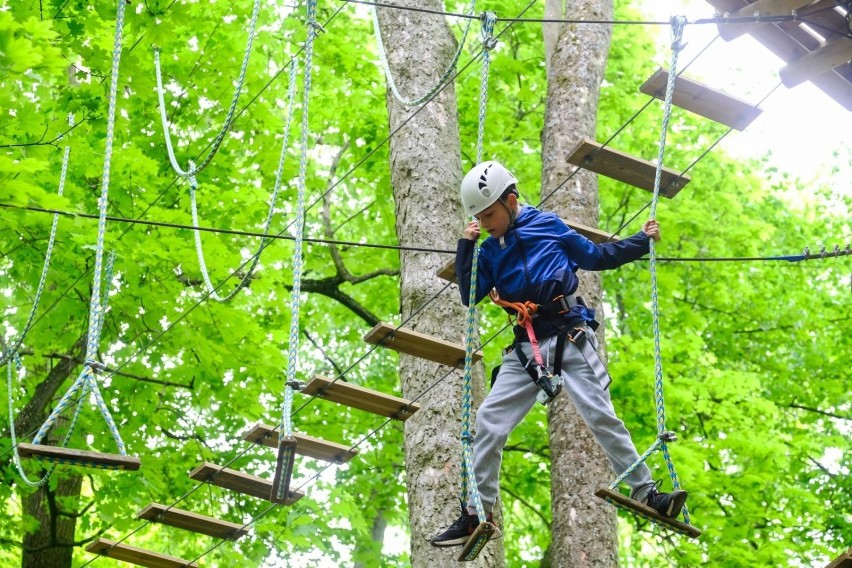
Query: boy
column 532, row 256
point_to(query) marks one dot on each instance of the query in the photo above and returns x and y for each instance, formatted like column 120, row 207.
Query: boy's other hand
column 471, row 232
column 652, row 229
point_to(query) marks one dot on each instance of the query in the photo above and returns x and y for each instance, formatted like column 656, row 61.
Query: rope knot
column 315, row 27
column 95, row 366
column 668, row 436
column 488, row 20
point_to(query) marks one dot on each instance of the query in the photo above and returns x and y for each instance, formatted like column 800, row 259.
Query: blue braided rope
column 97, row 305
column 14, row 345
column 678, row 23
column 444, row 77
column 193, row 187
column 286, row 426
column 488, row 43
column 229, row 118
column 469, row 488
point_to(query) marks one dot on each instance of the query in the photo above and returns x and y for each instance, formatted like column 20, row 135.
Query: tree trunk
column 426, row 173
column 52, row 545
column 583, row 525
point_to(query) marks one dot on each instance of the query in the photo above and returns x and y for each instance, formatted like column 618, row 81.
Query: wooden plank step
column 623, row 167
column 361, row 398
column 133, row 555
column 842, row 561
column 190, row 521
column 309, row 446
column 702, row 100
column 238, row 481
column 817, row 62
column 84, row 458
column 648, row 513
column 766, row 8
column 419, row 344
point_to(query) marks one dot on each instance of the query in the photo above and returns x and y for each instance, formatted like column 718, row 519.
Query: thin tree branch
column 526, row 504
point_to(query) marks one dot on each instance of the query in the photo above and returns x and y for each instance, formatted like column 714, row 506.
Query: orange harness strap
column 524, row 314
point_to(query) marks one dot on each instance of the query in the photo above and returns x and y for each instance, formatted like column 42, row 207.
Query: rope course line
column 87, row 379
column 663, row 436
column 432, row 91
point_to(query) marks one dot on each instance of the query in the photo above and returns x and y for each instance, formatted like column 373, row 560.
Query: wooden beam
column 190, row 521
column 238, row 481
column 817, row 62
column 84, row 458
column 419, row 344
column 133, row 555
column 647, row 512
column 702, row 100
column 309, row 446
column 625, row 168
column 361, row 398
column 842, row 561
column 765, row 8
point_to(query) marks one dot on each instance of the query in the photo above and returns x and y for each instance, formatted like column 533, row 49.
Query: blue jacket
column 537, row 261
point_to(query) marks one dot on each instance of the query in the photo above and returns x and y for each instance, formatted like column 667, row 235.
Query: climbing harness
column 663, row 436
column 551, row 382
column 286, row 441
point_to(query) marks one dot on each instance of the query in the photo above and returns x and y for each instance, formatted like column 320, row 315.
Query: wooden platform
column 361, row 398
column 84, row 458
column 309, row 446
column 648, row 513
column 791, row 40
column 631, row 170
column 238, row 481
column 702, row 100
column 817, row 62
column 419, row 344
column 766, row 8
column 842, row 561
column 134, row 555
column 194, row 522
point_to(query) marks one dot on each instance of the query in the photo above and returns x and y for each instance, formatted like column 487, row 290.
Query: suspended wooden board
column 419, row 344
column 448, row 271
column 194, row 522
column 817, row 25
column 309, row 446
column 477, row 541
column 84, row 458
column 702, row 100
column 842, row 561
column 361, row 398
column 765, row 8
column 637, row 172
column 238, row 481
column 648, row 513
column 133, row 555
column 817, row 62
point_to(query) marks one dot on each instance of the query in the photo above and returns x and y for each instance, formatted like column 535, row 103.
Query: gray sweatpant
column 513, row 396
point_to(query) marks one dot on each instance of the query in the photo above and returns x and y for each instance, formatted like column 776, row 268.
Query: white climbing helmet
column 483, row 185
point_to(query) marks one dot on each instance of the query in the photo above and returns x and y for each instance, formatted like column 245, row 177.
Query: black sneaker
column 461, row 529
column 666, row 504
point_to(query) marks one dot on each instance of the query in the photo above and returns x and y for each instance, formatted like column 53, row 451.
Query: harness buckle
column 550, row 385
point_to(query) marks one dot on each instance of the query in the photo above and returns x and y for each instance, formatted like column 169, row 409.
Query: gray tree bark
column 426, row 172
column 583, row 525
